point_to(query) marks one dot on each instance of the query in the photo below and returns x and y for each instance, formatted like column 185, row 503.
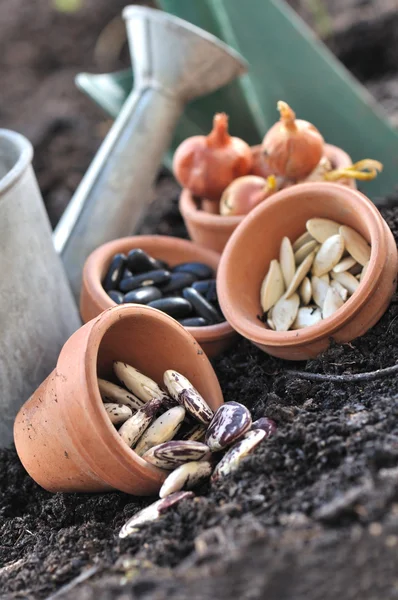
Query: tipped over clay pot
column 63, row 434
column 214, row 339
column 214, row 230
column 248, row 253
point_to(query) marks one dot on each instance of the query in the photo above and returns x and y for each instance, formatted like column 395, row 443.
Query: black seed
column 115, row 272
column 127, row 273
column 178, row 281
column 194, row 322
column 139, row 262
column 143, row 295
column 200, row 270
column 175, row 307
column 201, row 305
column 207, row 288
column 116, row 296
column 153, row 278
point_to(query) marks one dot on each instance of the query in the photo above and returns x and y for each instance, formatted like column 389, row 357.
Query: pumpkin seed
column 299, row 275
column 319, row 289
column 304, row 251
column 162, row 430
column 363, row 272
column 303, row 239
column 355, row 244
column 286, row 260
column 184, row 393
column 328, row 255
column 325, row 277
column 307, row 316
column 271, row 324
column 171, row 455
column 110, row 392
column 231, row 460
column 333, row 302
column 285, row 312
column 347, row 280
column 272, row 287
column 322, row 229
column 117, row 413
column 229, row 423
column 305, row 290
column 152, row 512
column 340, row 289
column 187, row 476
column 346, row 263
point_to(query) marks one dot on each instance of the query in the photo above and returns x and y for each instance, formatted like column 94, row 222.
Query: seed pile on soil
column 312, row 514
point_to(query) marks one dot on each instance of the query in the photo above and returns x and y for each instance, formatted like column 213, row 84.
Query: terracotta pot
column 256, row 241
column 214, row 339
column 213, row 230
column 63, row 435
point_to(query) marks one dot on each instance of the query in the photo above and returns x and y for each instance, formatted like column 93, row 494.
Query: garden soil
column 313, row 514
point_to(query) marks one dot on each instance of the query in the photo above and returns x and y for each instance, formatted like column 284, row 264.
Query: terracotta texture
column 63, row 435
column 213, row 230
column 93, row 299
column 256, row 242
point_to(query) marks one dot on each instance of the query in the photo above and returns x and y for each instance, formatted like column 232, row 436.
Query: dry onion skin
column 244, row 193
column 292, row 146
column 206, row 165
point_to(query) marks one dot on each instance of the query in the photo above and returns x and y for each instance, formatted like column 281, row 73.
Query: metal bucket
column 37, row 310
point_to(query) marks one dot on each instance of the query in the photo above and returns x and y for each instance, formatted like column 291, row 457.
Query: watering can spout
column 173, row 63
column 183, row 59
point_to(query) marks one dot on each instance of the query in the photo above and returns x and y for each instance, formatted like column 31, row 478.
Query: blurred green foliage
column 67, row 6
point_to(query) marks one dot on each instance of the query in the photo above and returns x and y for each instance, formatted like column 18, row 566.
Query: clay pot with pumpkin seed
column 254, row 250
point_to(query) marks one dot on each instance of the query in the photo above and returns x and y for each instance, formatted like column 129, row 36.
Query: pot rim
column 96, row 413
column 263, row 336
column 92, row 278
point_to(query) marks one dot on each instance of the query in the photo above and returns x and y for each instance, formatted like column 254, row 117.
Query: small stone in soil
column 138, row 261
column 201, row 305
column 194, row 322
column 175, row 307
column 229, row 423
column 207, row 288
column 143, row 295
column 177, row 282
column 114, row 273
column 200, row 270
column 116, row 296
column 154, row 278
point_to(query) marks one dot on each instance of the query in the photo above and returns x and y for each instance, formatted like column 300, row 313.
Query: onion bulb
column 245, row 193
column 293, row 147
column 260, row 163
column 206, row 165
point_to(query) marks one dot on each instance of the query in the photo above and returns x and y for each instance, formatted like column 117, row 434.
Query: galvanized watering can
column 37, row 310
column 174, row 62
